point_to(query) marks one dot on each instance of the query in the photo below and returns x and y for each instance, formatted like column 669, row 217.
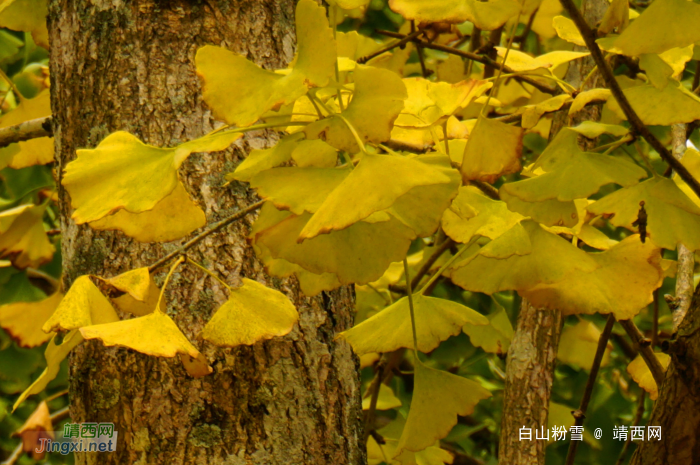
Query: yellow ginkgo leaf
column 588, row 96
column 428, row 102
column 376, row 103
column 438, row 397
column 253, row 312
column 315, row 153
column 664, row 25
column 677, row 58
column 26, row 15
column 657, row 70
column 23, row 237
column 55, row 354
column 550, row 212
column 594, row 129
column 567, row 30
column 261, row 160
column 663, row 107
column 37, row 151
column 641, row 374
column 691, row 160
column 357, row 254
column 23, row 320
column 258, row 90
column 385, row 401
column 533, row 113
column 494, row 337
column 672, row 218
column 521, row 61
column 384, row 178
column 37, row 427
column 153, row 334
column 493, row 149
column 473, row 214
column 578, row 345
column 140, row 292
column 485, row 15
column 380, row 454
column 616, row 18
column 83, row 305
column 175, row 216
column 390, row 329
column 134, row 176
column 298, row 190
column 581, row 176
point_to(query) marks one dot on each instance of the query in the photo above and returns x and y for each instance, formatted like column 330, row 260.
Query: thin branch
column 487, row 189
column 644, row 347
column 32, row 129
column 473, row 56
column 425, row 268
column 214, row 228
column 52, row 284
column 404, row 40
column 580, row 414
column 637, row 422
column 528, row 27
column 638, row 126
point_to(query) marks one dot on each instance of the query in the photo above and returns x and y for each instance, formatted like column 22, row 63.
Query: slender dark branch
column 473, row 56
column 404, row 40
column 655, row 321
column 517, row 117
column 624, row 345
column 487, row 189
column 644, row 346
column 212, row 229
column 637, row 422
column 43, row 281
column 32, row 129
column 580, row 414
column 696, row 79
column 425, row 268
column 60, row 414
column 383, row 373
column 638, row 126
column 528, row 27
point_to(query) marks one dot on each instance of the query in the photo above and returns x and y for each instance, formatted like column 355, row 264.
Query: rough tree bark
column 119, row 65
column 677, row 410
column 533, row 351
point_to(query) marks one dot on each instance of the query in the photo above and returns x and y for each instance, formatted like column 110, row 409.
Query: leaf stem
column 12, row 85
column 167, row 279
column 354, row 133
column 210, row 273
column 442, row 269
column 212, row 229
column 409, row 293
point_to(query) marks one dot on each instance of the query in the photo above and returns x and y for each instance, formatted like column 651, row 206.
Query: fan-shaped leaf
column 23, row 320
column 485, row 15
column 578, row 345
column 493, row 149
column 640, row 372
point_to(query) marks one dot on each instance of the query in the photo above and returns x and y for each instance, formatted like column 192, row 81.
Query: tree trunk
column 129, row 66
column 677, row 410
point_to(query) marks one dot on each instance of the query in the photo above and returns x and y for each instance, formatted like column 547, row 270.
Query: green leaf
column 253, row 312
column 390, row 329
column 257, row 90
column 438, row 397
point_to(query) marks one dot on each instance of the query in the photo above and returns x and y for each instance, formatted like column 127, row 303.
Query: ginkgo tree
column 423, row 172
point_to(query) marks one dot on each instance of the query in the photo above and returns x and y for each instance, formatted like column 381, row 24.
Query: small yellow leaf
column 37, row 151
column 133, row 176
column 55, row 353
column 493, row 149
column 585, row 97
column 253, row 312
column 261, row 160
column 258, row 90
column 23, row 320
column 494, row 337
column 486, row 16
column 472, row 214
column 438, row 397
column 153, row 334
column 38, row 426
column 83, row 305
column 665, row 24
column 315, row 153
column 641, row 374
column 567, row 30
column 594, row 129
column 578, row 345
column 533, row 113
column 174, row 217
column 521, row 61
column 657, row 70
column 385, row 401
column 663, row 107
column 390, row 329
column 140, row 292
column 550, row 212
column 616, row 18
column 376, row 103
column 23, row 238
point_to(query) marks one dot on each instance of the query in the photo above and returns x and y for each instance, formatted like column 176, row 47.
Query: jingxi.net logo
column 81, row 437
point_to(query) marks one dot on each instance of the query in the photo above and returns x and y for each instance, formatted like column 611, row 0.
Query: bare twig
column 486, row 188
column 404, row 40
column 644, row 346
column 580, row 414
column 638, row 126
column 475, row 57
column 32, row 129
column 212, row 229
